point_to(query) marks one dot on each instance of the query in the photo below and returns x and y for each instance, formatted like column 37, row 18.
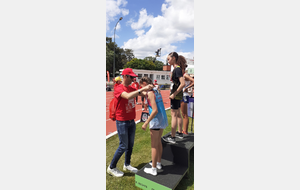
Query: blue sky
column 149, row 25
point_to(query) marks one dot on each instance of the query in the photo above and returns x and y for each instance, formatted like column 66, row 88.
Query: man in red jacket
column 125, row 115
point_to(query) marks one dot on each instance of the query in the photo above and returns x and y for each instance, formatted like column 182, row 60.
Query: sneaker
column 114, row 172
column 186, row 133
column 152, row 171
column 179, row 135
column 158, row 165
column 142, row 109
column 130, row 168
column 169, row 139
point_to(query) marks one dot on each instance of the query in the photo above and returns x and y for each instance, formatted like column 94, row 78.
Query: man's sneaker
column 114, row 172
column 169, row 139
column 179, row 135
column 130, row 168
column 142, row 109
column 158, row 165
column 152, row 171
column 184, row 132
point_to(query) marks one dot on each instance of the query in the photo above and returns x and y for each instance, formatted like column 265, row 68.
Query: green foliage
column 158, row 64
column 145, row 64
column 122, row 56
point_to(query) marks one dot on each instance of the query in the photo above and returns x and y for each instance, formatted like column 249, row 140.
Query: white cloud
column 189, row 55
column 176, row 24
column 139, row 32
column 114, row 10
column 144, row 20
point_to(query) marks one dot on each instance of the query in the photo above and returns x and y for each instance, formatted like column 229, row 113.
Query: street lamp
column 115, row 47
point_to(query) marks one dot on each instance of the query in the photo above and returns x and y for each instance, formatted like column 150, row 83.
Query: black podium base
column 175, row 161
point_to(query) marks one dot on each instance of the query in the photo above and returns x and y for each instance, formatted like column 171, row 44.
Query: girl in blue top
column 157, row 121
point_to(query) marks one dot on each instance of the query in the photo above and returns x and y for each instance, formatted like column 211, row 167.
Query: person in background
column 189, row 82
column 176, row 95
column 144, row 105
column 156, row 85
column 125, row 115
column 118, row 81
column 136, row 86
column 157, row 121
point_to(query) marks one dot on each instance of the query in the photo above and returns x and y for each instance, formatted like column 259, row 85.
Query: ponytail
column 180, row 60
column 182, row 63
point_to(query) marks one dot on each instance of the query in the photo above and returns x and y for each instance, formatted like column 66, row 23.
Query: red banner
column 107, row 76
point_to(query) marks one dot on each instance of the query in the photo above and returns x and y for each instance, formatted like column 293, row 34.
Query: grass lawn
column 141, row 155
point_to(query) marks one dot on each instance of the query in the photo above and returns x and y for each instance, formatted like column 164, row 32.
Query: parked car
column 108, row 88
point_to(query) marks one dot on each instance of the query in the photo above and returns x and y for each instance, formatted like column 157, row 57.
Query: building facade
column 162, row 77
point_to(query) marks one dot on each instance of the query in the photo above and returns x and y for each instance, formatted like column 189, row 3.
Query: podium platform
column 175, row 161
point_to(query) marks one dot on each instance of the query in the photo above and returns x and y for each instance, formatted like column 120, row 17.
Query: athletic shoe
column 169, row 139
column 184, row 132
column 152, row 171
column 179, row 135
column 158, row 165
column 130, row 168
column 142, row 109
column 115, row 172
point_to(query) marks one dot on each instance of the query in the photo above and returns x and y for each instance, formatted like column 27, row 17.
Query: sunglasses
column 130, row 76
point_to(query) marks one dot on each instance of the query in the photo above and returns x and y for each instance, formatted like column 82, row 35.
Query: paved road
column 111, row 125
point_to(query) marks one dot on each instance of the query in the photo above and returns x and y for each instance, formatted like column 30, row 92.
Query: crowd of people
column 126, row 92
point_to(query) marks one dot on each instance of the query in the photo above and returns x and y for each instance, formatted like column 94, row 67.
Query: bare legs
column 183, row 108
column 156, row 146
column 176, row 118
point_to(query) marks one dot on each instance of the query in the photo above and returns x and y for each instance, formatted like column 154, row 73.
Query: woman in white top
column 189, row 82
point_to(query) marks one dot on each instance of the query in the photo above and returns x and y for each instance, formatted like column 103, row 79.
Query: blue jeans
column 126, row 133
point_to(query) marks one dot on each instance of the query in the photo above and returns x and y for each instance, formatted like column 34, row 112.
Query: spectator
column 118, row 81
column 176, row 95
column 157, row 121
column 144, row 105
column 136, row 86
column 125, row 115
column 156, row 85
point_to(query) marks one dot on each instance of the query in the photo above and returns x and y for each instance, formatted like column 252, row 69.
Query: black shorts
column 175, row 104
column 155, row 129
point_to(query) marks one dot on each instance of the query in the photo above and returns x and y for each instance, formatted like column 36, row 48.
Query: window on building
column 157, row 77
column 162, row 77
column 140, row 76
column 145, row 75
column 151, row 76
column 168, row 77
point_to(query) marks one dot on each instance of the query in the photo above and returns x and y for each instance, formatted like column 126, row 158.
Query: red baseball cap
column 155, row 80
column 128, row 71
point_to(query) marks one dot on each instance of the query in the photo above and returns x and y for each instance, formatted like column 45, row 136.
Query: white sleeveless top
column 189, row 91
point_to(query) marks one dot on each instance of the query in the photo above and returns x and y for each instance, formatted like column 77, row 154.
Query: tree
column 158, row 64
column 140, row 64
column 122, row 56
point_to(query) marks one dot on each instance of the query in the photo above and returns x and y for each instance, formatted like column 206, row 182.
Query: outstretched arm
column 134, row 94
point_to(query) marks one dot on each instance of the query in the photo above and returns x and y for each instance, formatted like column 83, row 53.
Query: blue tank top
column 160, row 121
